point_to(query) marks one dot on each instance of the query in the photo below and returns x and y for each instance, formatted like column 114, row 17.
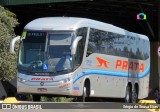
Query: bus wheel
column 83, row 97
column 84, row 94
column 127, row 98
column 21, row 97
column 134, row 95
column 36, row 97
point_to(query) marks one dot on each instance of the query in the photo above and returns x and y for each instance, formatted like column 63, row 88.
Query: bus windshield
column 42, row 52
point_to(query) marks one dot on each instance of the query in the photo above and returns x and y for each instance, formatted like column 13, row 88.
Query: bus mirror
column 74, row 45
column 12, row 44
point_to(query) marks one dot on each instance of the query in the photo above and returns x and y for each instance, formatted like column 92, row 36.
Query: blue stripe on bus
column 118, row 74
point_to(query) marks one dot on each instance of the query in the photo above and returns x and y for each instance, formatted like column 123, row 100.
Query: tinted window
column 116, row 44
column 80, row 47
column 106, row 43
column 139, row 48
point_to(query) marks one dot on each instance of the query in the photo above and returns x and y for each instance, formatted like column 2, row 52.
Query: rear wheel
column 127, row 98
column 36, row 97
column 134, row 95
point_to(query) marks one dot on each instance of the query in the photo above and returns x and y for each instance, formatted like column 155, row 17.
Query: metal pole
column 159, row 42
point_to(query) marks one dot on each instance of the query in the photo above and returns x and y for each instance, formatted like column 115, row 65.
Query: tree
column 8, row 62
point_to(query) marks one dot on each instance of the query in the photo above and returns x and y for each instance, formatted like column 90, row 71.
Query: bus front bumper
column 62, row 89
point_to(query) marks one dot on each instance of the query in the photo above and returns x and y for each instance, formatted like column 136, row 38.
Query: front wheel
column 21, row 97
column 83, row 97
column 134, row 95
column 36, row 97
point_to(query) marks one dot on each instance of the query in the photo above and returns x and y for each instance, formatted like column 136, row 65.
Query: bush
column 8, row 62
column 56, row 99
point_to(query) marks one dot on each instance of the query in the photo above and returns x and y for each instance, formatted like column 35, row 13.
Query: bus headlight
column 21, row 80
column 65, row 80
column 62, row 81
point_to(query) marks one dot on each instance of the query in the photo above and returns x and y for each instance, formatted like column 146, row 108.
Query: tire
column 36, row 97
column 84, row 94
column 156, row 95
column 83, row 97
column 21, row 97
column 127, row 98
column 134, row 98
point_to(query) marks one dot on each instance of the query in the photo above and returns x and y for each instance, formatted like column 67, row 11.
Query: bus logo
column 102, row 62
column 126, row 65
column 42, row 83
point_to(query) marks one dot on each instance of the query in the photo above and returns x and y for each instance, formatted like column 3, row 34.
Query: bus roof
column 72, row 23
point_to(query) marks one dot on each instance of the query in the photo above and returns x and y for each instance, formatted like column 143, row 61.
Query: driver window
column 80, row 47
column 79, row 53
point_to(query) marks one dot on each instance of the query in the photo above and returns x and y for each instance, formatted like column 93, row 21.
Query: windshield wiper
column 64, row 70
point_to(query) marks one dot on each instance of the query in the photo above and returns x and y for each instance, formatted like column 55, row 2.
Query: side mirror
column 12, row 44
column 74, row 45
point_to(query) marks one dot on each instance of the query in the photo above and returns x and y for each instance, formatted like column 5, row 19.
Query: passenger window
column 117, row 44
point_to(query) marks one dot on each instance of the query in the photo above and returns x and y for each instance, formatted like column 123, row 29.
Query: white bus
column 78, row 57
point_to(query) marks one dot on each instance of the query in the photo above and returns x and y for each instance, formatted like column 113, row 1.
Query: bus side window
column 95, row 42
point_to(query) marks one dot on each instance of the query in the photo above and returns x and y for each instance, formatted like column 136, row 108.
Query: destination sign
column 36, row 34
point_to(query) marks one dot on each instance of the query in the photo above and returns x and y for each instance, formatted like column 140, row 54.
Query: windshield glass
column 40, row 52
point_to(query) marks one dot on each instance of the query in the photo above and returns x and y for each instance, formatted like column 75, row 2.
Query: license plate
column 42, row 89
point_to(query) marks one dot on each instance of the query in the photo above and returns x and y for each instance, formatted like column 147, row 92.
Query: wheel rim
column 84, row 94
column 134, row 96
column 127, row 98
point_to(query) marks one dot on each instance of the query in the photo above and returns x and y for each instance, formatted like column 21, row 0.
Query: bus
column 82, row 58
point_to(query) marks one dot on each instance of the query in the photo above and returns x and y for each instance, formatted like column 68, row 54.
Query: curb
column 10, row 100
column 148, row 103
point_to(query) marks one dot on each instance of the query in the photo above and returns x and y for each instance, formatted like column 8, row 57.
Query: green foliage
column 56, row 99
column 8, row 62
